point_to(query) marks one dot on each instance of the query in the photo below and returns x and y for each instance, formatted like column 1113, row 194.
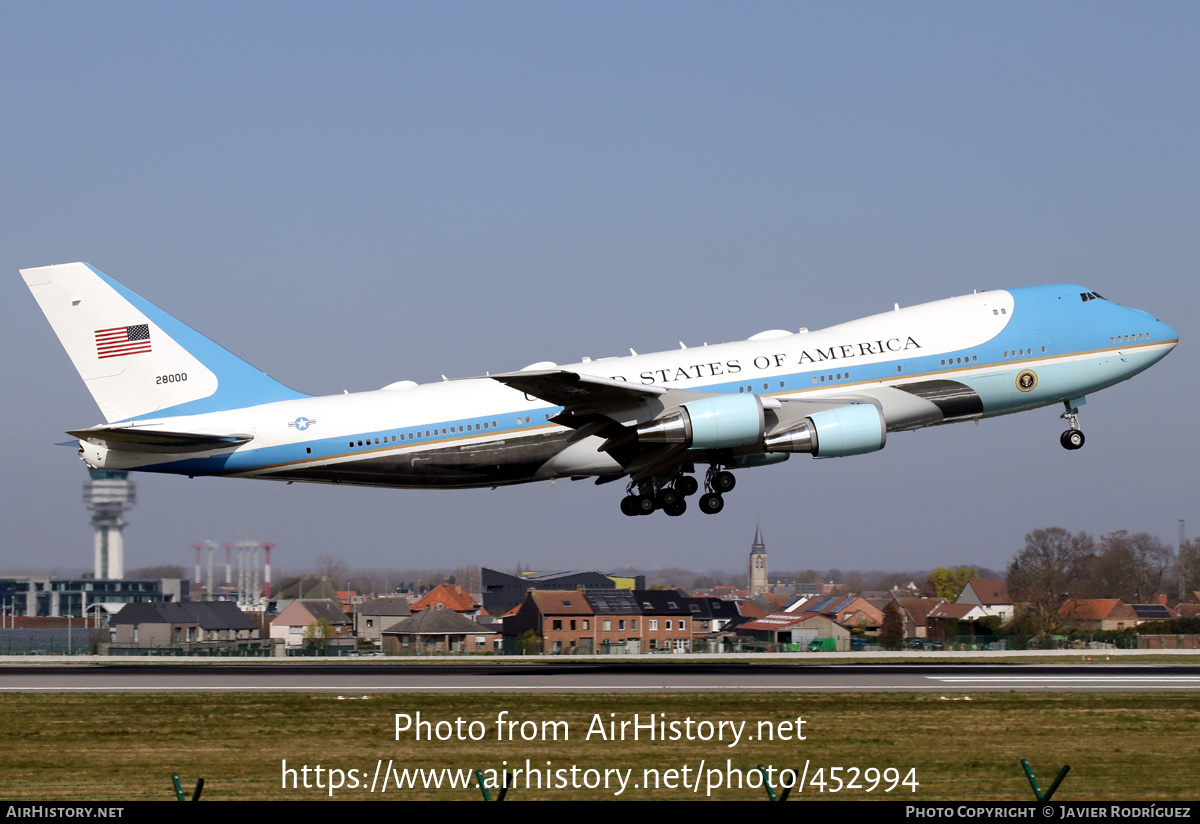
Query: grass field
column 124, row 747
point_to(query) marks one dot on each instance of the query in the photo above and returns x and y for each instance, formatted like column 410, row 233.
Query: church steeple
column 757, row 564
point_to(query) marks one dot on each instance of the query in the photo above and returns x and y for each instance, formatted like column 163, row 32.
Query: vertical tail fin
column 137, row 360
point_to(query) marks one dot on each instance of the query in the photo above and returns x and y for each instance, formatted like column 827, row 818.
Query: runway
column 592, row 678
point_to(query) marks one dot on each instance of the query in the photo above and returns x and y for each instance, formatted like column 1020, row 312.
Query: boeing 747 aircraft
column 175, row 402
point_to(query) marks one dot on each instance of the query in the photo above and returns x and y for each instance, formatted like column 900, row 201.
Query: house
column 503, row 592
column 438, row 630
column 193, row 626
column 1096, row 613
column 991, row 595
column 850, row 611
column 564, row 620
column 154, row 625
column 1186, row 610
column 605, row 621
column 289, row 625
column 915, row 612
column 711, row 614
column 222, row 621
column 794, row 631
column 372, row 617
column 944, row 620
column 668, row 619
column 1152, row 612
column 449, row 596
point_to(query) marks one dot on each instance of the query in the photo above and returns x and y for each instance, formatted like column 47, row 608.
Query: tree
column 529, row 643
column 1151, row 559
column 949, row 582
column 318, row 633
column 1187, row 568
column 891, row 634
column 161, row 571
column 1129, row 567
column 334, row 569
column 1043, row 574
column 851, row 584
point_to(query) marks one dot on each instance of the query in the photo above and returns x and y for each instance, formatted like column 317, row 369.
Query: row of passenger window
column 750, row 388
column 418, row 434
column 428, row 433
column 1128, row 338
column 1020, row 353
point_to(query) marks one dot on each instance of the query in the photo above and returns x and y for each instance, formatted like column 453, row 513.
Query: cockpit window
column 1086, row 296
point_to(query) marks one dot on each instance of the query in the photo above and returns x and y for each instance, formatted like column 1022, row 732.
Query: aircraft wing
column 145, row 439
column 576, row 391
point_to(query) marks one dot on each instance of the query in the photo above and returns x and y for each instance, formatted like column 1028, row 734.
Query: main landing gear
column 645, row 497
column 717, row 482
column 1073, row 437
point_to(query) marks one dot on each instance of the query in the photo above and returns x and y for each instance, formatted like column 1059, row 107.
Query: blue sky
column 351, row 196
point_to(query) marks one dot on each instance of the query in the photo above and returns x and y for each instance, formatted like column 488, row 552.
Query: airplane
column 175, row 402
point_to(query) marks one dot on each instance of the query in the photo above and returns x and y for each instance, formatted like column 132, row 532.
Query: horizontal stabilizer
column 145, row 439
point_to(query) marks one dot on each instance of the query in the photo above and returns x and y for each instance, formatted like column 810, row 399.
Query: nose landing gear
column 1073, row 437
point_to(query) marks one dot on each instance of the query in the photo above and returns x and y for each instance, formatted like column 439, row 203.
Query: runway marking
column 1007, row 679
column 1030, row 684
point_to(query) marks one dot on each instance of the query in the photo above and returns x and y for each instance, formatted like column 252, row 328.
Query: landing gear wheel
column 629, row 505
column 1071, row 439
column 711, row 503
column 645, row 504
column 687, row 486
column 676, row 509
column 668, row 497
column 724, row 482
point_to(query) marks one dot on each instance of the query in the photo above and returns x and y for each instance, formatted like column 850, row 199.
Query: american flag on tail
column 122, row 340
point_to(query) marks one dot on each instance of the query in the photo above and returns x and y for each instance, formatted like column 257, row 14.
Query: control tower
column 108, row 494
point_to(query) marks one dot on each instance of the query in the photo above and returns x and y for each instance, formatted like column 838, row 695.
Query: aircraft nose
column 1166, row 333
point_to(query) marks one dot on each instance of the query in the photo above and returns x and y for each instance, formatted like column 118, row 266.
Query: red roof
column 1095, row 609
column 448, row 596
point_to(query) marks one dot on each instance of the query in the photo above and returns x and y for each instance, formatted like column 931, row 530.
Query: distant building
column 991, row 595
column 571, row 622
column 289, row 625
column 1153, row 612
column 915, row 612
column 796, row 631
column 36, row 597
column 1096, row 613
column 503, row 592
column 849, row 611
column 449, row 596
column 757, row 564
column 373, row 617
column 194, row 626
column 439, row 630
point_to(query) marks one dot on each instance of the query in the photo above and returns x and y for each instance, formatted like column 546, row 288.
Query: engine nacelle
column 833, row 433
column 718, row 422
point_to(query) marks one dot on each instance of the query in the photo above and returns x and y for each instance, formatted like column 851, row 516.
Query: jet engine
column 718, row 422
column 833, row 433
